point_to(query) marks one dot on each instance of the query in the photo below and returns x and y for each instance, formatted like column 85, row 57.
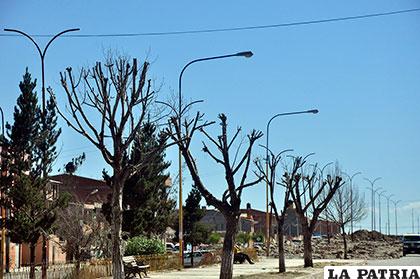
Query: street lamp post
column 326, row 211
column 351, row 198
column 42, row 54
column 395, row 212
column 387, row 205
column 181, row 110
column 380, row 194
column 372, row 188
column 267, row 214
column 93, row 192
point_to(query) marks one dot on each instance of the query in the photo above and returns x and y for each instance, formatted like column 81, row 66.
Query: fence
column 65, row 271
column 103, row 268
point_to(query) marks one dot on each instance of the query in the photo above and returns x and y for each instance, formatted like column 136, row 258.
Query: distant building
column 291, row 227
column 89, row 191
column 92, row 193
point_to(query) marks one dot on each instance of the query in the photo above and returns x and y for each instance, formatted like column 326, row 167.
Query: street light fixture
column 380, row 194
column 93, row 192
column 181, row 110
column 395, row 212
column 387, row 206
column 267, row 214
column 351, row 198
column 372, row 188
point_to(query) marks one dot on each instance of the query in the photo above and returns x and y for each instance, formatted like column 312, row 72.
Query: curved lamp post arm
column 314, row 111
column 351, row 177
column 57, row 35
column 372, row 182
column 245, row 54
column 41, row 53
column 29, row 37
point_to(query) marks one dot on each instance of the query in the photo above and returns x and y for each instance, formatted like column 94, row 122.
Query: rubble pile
column 365, row 245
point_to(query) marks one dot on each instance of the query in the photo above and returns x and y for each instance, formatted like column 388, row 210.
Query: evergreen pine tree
column 194, row 231
column 30, row 153
column 148, row 207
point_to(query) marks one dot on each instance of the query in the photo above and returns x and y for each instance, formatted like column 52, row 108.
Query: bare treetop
column 119, row 92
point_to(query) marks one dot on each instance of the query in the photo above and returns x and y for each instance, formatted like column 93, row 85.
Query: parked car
column 170, row 247
column 197, row 256
column 411, row 244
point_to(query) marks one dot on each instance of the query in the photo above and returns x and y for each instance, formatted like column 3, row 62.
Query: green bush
column 258, row 237
column 243, row 237
column 214, row 238
column 141, row 245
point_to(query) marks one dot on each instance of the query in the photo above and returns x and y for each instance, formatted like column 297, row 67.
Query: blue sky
column 362, row 75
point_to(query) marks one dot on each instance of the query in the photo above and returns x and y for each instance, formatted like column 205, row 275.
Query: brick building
column 92, row 193
column 291, row 228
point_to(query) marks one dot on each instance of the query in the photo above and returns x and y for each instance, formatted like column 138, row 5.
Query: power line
column 215, row 30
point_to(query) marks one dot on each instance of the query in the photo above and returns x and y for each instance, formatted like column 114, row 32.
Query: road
column 408, row 260
column 265, row 265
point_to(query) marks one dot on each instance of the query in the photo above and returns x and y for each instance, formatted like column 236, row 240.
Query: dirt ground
column 365, row 245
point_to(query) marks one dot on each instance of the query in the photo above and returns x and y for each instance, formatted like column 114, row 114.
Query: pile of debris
column 361, row 245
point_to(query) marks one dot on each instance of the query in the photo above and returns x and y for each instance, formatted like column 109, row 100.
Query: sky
column 362, row 75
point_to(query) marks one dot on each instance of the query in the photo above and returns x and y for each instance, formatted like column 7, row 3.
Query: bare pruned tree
column 108, row 104
column 80, row 228
column 279, row 209
column 340, row 209
column 310, row 196
column 235, row 174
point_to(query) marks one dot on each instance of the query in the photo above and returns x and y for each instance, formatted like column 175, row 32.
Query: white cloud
column 411, row 205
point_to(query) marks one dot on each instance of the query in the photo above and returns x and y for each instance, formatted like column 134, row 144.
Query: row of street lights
column 377, row 190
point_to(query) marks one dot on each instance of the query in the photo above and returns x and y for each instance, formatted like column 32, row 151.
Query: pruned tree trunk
column 32, row 260
column 44, row 257
column 192, row 255
column 77, row 258
column 116, row 228
column 226, row 269
column 280, row 240
column 307, row 247
column 328, row 233
column 344, row 242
